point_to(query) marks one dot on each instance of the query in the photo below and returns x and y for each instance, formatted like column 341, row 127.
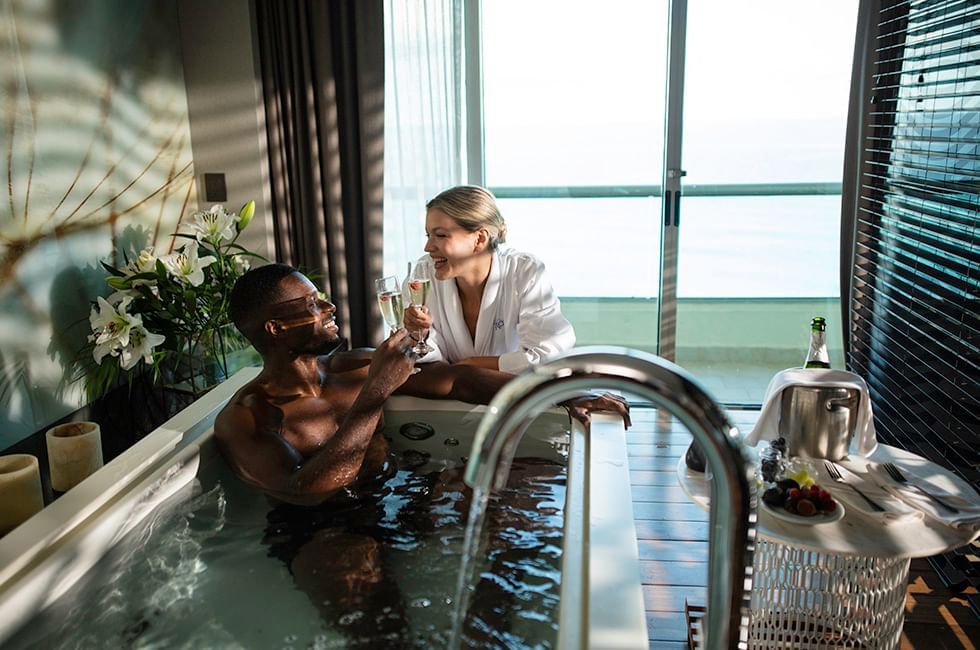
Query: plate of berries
column 808, row 505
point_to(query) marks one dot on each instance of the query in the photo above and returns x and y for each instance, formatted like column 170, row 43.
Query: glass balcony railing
column 755, row 263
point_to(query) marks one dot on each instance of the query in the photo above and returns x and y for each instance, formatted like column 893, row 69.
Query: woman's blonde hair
column 472, row 207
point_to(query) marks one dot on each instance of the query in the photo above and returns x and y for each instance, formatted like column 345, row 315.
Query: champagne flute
column 419, row 284
column 390, row 301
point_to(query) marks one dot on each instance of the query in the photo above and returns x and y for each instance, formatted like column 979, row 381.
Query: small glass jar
column 772, row 461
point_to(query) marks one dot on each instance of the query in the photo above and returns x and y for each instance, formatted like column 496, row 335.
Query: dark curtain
column 323, row 83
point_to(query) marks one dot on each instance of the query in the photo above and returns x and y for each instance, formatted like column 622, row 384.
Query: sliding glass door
column 573, row 116
column 712, row 245
column 758, row 251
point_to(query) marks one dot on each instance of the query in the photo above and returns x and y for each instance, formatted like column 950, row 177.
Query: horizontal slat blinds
column 915, row 315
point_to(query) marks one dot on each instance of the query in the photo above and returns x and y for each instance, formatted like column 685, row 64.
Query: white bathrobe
column 520, row 317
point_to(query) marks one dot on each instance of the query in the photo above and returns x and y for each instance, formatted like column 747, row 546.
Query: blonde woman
column 489, row 306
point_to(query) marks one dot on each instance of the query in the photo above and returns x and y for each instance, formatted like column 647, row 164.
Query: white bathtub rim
column 74, row 554
column 29, row 542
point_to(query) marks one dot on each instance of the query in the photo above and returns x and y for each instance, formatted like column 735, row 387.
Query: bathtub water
column 185, row 555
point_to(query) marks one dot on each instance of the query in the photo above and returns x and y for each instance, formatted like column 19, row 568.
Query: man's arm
column 492, row 363
column 478, row 386
column 350, row 360
column 250, row 439
column 461, row 382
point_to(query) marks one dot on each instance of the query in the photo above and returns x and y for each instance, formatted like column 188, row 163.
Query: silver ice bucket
column 818, row 421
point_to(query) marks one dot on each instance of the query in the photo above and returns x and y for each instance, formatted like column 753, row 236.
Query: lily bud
column 117, row 282
column 245, row 215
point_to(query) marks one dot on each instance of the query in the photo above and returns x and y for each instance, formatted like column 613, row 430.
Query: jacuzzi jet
column 413, row 459
column 417, row 430
column 450, row 442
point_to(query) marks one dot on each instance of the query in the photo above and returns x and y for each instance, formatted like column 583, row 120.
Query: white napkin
column 767, row 426
column 854, row 472
column 968, row 517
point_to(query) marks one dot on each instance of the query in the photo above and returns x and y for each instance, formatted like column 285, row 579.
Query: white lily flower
column 100, row 351
column 111, row 327
column 214, row 225
column 117, row 297
column 110, row 322
column 186, row 266
column 141, row 344
column 145, row 263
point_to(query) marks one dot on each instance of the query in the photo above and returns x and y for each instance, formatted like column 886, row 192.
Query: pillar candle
column 20, row 490
column 74, row 452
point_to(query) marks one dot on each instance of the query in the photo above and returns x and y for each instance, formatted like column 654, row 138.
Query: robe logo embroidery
column 498, row 324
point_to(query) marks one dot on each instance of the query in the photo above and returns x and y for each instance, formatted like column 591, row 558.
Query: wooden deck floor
column 672, row 535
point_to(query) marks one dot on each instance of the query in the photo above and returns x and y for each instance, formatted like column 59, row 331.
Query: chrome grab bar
column 732, row 515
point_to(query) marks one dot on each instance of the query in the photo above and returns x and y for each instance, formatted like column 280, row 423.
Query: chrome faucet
column 732, row 517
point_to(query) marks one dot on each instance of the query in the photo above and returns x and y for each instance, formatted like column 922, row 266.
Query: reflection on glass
column 419, row 283
column 390, row 301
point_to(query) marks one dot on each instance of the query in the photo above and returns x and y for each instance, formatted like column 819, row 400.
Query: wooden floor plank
column 645, row 492
column 688, row 574
column 684, row 531
column 666, row 626
column 643, row 479
column 668, row 645
column 672, row 551
column 669, row 510
column 664, row 494
column 668, row 598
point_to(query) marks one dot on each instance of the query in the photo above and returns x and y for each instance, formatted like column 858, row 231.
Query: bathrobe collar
column 480, row 345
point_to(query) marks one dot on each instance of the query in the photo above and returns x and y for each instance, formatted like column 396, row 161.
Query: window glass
column 573, row 92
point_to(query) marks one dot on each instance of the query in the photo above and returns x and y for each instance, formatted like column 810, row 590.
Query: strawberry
column 806, row 507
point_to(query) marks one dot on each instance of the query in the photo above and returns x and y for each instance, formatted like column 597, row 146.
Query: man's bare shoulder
column 350, row 360
column 244, row 414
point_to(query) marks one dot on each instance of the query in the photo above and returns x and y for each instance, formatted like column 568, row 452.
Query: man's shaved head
column 253, row 293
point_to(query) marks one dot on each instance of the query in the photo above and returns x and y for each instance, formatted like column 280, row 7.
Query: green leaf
column 112, row 270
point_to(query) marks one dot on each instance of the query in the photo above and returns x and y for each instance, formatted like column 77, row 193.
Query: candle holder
column 74, row 452
column 20, row 490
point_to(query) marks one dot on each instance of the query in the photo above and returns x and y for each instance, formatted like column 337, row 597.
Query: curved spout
column 732, row 516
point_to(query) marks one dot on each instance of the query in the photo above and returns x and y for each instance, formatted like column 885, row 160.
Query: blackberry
column 774, row 497
column 770, row 468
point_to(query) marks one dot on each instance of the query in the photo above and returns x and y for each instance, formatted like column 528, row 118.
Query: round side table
column 839, row 584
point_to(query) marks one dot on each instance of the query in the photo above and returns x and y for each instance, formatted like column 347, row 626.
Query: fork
column 898, row 477
column 835, row 474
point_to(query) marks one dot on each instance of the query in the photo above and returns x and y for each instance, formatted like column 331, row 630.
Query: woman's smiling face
column 452, row 248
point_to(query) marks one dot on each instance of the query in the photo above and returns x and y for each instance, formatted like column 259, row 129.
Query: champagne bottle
column 817, row 357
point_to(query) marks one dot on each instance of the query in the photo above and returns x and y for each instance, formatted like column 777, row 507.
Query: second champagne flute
column 390, row 301
column 419, row 283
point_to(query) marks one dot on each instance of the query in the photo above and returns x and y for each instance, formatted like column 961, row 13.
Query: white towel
column 967, row 519
column 855, row 472
column 767, row 426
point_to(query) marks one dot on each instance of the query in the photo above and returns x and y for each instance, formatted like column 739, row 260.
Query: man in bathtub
column 310, row 424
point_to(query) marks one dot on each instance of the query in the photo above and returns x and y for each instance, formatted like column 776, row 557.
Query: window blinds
column 915, row 273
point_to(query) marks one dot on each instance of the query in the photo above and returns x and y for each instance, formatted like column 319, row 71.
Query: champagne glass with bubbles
column 390, row 301
column 419, row 284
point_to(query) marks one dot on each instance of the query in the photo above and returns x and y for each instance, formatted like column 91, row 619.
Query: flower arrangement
column 169, row 313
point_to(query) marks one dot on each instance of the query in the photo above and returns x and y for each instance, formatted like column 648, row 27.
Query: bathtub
column 601, row 602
